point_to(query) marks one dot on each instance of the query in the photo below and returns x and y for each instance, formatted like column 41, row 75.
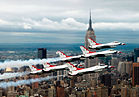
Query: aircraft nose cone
column 112, row 67
column 119, row 52
column 123, row 44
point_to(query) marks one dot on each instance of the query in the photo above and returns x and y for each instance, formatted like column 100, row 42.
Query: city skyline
column 47, row 21
column 61, row 48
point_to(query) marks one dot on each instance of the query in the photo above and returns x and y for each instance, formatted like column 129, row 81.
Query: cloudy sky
column 66, row 21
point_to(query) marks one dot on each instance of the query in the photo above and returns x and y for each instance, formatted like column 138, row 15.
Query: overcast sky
column 66, row 21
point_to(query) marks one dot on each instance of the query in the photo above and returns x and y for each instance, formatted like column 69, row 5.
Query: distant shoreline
column 52, row 46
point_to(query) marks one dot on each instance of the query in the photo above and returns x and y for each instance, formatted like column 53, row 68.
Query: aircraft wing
column 91, row 69
column 70, row 58
column 101, row 54
column 92, row 55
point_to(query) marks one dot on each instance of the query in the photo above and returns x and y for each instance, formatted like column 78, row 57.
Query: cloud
column 69, row 29
column 68, row 24
column 43, row 20
column 106, row 10
column 117, row 26
column 27, row 26
column 44, row 24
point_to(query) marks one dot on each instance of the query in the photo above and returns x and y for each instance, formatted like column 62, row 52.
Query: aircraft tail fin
column 92, row 42
column 72, row 67
column 61, row 54
column 85, row 50
column 47, row 65
column 33, row 68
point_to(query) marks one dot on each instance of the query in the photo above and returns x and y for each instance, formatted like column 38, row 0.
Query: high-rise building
column 134, row 92
column 125, row 91
column 135, row 76
column 52, row 92
column 42, row 53
column 114, row 61
column 72, row 81
column 89, row 34
column 136, row 54
column 60, row 92
column 137, row 59
column 106, row 79
column 35, row 85
column 90, row 62
column 125, row 67
column 1, row 90
column 102, row 92
column 60, row 72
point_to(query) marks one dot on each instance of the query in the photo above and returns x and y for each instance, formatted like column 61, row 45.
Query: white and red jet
column 64, row 57
column 90, row 54
column 77, row 71
column 94, row 45
column 48, row 67
column 34, row 69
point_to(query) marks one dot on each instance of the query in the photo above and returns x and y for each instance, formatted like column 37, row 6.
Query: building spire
column 90, row 23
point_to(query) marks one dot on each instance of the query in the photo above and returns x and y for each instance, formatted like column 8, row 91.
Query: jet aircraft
column 64, row 57
column 34, row 69
column 78, row 71
column 90, row 54
column 48, row 67
column 94, row 45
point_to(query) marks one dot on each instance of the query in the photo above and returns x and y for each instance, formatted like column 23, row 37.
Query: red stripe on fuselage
column 50, row 65
column 76, row 67
column 36, row 67
column 87, row 49
column 95, row 42
column 65, row 54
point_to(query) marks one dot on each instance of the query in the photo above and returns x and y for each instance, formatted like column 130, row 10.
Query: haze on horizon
column 66, row 21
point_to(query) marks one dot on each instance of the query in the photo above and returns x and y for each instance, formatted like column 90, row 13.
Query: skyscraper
column 124, row 67
column 106, row 79
column 89, row 34
column 90, row 62
column 136, row 54
column 42, row 53
column 135, row 76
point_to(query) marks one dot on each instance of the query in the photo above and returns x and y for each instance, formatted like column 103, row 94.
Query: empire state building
column 89, row 34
